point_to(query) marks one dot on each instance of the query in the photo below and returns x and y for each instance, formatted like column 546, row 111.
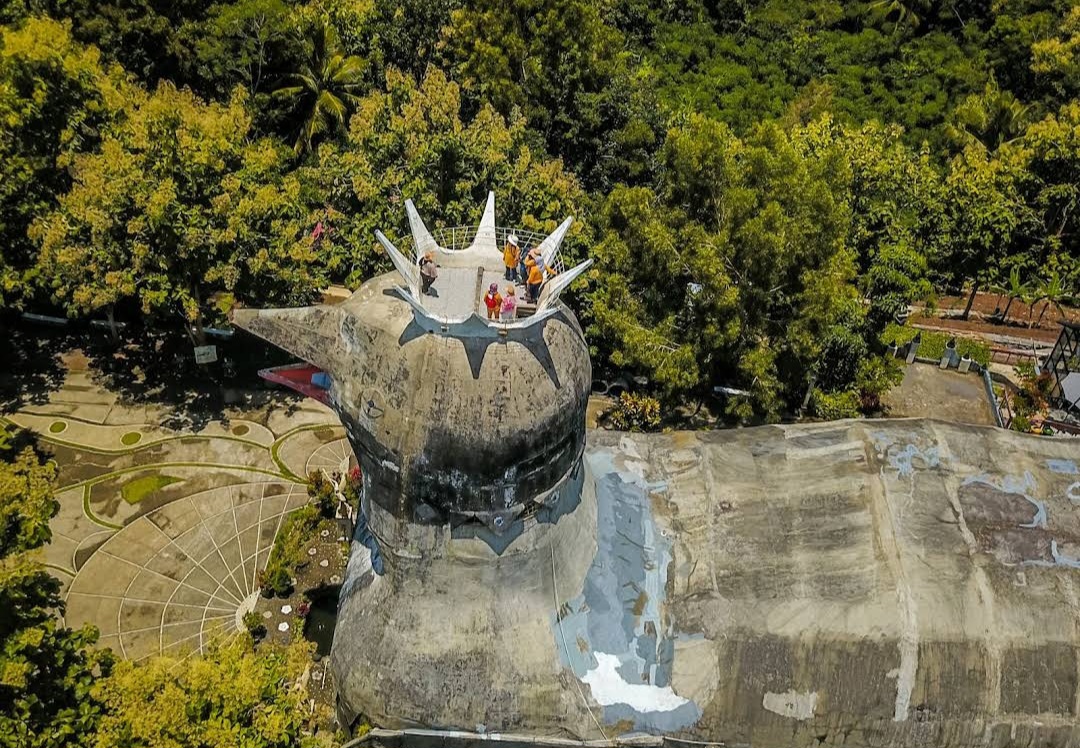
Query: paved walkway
column 162, row 531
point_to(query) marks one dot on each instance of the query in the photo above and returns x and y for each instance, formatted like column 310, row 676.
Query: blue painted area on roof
column 618, row 613
column 1063, row 467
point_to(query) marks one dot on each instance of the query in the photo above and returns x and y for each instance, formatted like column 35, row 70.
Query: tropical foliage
column 177, row 204
column 231, row 695
column 325, row 89
column 47, row 670
column 750, row 177
column 765, row 186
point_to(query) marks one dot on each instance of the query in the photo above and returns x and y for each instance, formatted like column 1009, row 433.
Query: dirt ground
column 1021, row 315
column 1019, row 312
column 929, row 392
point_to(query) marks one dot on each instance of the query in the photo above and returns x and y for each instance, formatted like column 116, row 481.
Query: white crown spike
column 422, row 238
column 554, row 287
column 550, row 246
column 485, row 235
column 409, row 271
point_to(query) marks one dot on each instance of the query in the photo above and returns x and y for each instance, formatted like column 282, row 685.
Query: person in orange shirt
column 534, row 263
column 512, row 258
column 493, row 301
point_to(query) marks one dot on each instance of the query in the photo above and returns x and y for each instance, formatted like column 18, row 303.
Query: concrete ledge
column 379, row 738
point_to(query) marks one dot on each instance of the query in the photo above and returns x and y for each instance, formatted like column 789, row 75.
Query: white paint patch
column 627, row 446
column 909, row 650
column 390, row 466
column 609, row 688
column 791, row 703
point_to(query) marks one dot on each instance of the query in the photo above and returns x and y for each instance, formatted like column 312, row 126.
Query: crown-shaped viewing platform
column 464, row 274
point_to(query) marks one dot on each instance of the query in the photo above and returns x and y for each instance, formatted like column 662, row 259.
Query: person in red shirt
column 493, row 301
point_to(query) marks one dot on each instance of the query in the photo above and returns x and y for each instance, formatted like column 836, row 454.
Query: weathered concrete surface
column 871, row 583
column 479, row 425
column 930, row 392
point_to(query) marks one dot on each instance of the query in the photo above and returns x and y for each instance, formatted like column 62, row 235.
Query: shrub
column 842, row 352
column 633, row 412
column 290, row 550
column 275, row 579
column 877, row 375
column 832, row 406
column 322, row 493
column 1020, row 423
column 253, row 622
column 1031, row 399
column 1025, row 370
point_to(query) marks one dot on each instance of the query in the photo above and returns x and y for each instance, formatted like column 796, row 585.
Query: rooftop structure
column 864, row 583
column 465, row 273
column 456, row 419
column 857, row 583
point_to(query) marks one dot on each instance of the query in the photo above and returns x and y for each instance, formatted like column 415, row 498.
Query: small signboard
column 205, row 354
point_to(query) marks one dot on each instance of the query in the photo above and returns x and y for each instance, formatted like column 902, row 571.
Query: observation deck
column 469, row 261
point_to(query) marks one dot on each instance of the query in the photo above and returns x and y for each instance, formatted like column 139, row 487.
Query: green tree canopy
column 731, row 274
column 412, row 142
column 246, row 43
column 325, row 88
column 1058, row 56
column 177, row 205
column 55, row 95
column 1050, row 150
column 984, row 211
column 229, row 696
column 560, row 64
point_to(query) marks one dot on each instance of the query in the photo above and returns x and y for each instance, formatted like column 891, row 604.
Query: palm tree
column 988, row 119
column 325, row 88
column 1015, row 290
column 1051, row 291
column 902, row 12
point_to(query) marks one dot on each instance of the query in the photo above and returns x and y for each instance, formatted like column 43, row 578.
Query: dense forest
column 765, row 185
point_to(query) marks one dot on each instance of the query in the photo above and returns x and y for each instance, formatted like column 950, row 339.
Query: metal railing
column 456, row 238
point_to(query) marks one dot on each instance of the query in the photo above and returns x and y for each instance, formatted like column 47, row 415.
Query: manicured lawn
column 57, row 427
column 130, row 438
column 137, row 489
column 933, row 343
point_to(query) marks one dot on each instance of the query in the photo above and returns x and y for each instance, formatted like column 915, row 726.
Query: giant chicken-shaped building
column 871, row 583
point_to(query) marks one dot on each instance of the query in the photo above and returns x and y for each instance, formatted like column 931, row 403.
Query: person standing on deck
column 429, row 271
column 509, row 305
column 512, row 258
column 493, row 301
column 536, row 268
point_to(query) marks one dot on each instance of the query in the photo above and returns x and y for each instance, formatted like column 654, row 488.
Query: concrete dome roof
column 479, row 424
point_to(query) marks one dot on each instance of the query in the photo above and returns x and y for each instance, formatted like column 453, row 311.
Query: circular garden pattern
column 173, row 579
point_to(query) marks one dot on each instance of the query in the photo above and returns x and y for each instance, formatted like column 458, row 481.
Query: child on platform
column 509, row 305
column 493, row 301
